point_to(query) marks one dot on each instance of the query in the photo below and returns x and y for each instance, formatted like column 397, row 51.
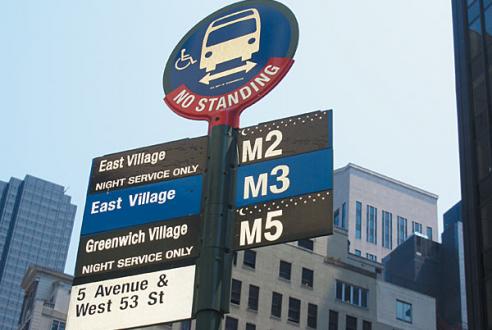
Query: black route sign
column 161, row 162
column 284, row 220
column 285, row 137
column 138, row 249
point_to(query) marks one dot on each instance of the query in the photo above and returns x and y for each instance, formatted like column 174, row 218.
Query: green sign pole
column 213, row 277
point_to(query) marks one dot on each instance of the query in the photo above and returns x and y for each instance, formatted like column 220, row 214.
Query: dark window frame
column 282, row 271
column 344, row 293
column 333, row 320
column 404, row 303
column 401, row 230
column 249, row 259
column 276, row 310
column 312, row 316
column 307, row 244
column 366, row 325
column 253, row 297
column 231, row 323
column 358, row 220
column 250, row 326
column 294, row 314
column 236, row 291
column 307, row 278
column 387, row 229
column 371, row 230
column 350, row 322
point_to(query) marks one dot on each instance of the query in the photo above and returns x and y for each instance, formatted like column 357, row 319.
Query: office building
column 318, row 284
column 472, row 22
column 379, row 213
column 297, row 286
column 330, row 282
column 46, row 298
column 415, row 265
column 304, row 288
column 36, row 219
column 452, row 303
column 434, row 269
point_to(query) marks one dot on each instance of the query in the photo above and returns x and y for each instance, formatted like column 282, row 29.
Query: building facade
column 46, row 298
column 472, row 21
column 452, row 305
column 434, row 269
column 296, row 286
column 379, row 213
column 36, row 220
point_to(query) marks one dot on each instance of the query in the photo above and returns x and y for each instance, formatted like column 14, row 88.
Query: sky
column 80, row 79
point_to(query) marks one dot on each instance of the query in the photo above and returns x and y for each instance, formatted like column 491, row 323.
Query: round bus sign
column 230, row 60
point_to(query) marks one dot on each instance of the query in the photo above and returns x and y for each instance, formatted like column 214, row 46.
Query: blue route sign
column 139, row 205
column 284, row 177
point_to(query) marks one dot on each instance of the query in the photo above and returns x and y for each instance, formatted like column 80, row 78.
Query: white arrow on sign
column 209, row 77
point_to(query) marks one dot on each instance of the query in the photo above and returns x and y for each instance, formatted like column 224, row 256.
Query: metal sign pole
column 215, row 78
column 214, row 265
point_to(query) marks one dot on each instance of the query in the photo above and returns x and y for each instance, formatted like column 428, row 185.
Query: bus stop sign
column 230, row 60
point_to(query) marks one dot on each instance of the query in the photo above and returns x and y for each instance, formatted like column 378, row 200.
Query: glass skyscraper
column 472, row 20
column 36, row 220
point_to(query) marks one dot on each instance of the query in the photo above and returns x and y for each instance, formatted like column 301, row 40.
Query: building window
column 351, row 294
column 185, row 325
column 358, row 220
column 402, row 230
column 254, row 292
column 234, row 258
column 351, row 323
column 57, row 325
column 236, row 292
column 249, row 258
column 429, row 233
column 336, row 218
column 366, row 325
column 284, row 270
column 333, row 321
column 344, row 217
column 294, row 310
column 371, row 257
column 306, row 243
column 416, row 227
column 312, row 316
column 358, row 252
column 276, row 304
column 250, row 326
column 387, row 230
column 307, row 277
column 372, row 220
column 230, row 323
column 403, row 311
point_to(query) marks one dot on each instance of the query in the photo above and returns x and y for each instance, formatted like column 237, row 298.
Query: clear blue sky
column 79, row 79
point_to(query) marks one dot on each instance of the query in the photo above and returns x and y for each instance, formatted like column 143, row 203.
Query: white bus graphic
column 230, row 37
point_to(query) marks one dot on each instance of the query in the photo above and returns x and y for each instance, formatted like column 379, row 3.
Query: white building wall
column 353, row 183
column 423, row 307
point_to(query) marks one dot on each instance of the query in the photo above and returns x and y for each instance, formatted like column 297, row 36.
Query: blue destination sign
column 144, row 204
column 284, row 177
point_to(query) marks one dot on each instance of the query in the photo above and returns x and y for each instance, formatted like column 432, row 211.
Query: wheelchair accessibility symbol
column 184, row 61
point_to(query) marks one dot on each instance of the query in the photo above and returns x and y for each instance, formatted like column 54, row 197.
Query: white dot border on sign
column 284, row 122
column 285, row 203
